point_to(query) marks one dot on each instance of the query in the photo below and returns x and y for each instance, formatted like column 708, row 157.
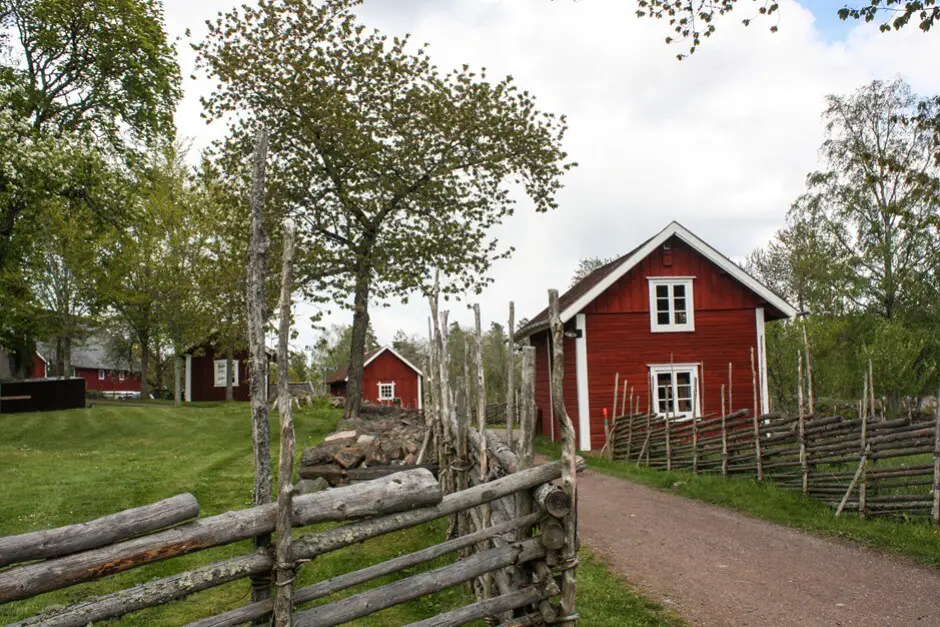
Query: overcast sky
column 721, row 142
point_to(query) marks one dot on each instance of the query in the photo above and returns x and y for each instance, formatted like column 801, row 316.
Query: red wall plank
column 111, row 382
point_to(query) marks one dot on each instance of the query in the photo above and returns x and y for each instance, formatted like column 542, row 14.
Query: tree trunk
column 67, row 356
column 59, row 366
column 260, row 431
column 144, row 360
column 229, row 375
column 360, row 329
column 177, row 380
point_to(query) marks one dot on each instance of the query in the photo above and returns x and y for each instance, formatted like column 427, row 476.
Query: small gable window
column 671, row 307
column 100, row 374
column 386, row 391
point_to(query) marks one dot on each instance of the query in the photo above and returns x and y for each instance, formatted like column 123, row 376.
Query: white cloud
column 721, row 141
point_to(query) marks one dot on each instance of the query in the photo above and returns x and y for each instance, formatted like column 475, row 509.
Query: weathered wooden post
column 757, row 452
column 871, row 390
column 511, row 377
column 668, row 436
column 863, row 468
column 569, row 554
column 430, row 409
column 724, row 435
column 804, row 462
column 258, row 385
column 481, row 426
column 526, row 446
column 695, row 426
column 936, row 462
column 284, row 565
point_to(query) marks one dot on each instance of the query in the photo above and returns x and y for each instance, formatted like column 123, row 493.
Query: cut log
column 431, row 582
column 330, row 472
column 491, row 607
column 337, row 584
column 403, row 491
column 99, row 532
column 553, row 500
column 553, row 534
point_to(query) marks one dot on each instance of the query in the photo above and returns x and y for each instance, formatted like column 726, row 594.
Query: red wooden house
column 205, row 374
column 673, row 312
column 387, row 379
column 102, row 371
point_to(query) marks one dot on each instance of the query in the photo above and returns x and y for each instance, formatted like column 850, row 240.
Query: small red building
column 102, row 371
column 387, row 379
column 671, row 317
column 205, row 375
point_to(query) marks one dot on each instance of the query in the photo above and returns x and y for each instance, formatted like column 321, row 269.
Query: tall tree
column 99, row 66
column 392, row 167
column 586, row 266
column 877, row 201
column 691, row 21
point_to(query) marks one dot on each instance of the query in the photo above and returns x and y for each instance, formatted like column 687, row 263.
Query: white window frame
column 101, row 374
column 382, row 397
column 671, row 326
column 215, row 373
column 673, row 369
column 121, row 375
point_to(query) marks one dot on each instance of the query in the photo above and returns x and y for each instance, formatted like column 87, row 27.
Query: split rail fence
column 513, row 530
column 872, row 466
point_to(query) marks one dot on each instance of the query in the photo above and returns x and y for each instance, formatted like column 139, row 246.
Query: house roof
column 597, row 282
column 342, row 374
column 91, row 353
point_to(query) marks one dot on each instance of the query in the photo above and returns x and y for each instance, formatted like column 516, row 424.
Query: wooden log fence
column 513, row 531
column 820, row 455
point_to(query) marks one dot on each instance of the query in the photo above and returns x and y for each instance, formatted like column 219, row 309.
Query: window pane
column 678, row 291
column 662, row 304
column 662, row 317
column 662, row 291
column 679, row 304
column 681, row 318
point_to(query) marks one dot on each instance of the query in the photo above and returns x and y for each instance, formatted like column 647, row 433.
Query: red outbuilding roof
column 342, row 374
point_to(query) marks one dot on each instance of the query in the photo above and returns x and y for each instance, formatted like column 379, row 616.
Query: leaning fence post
column 668, row 440
column 284, row 567
column 757, row 452
column 863, row 479
column 511, row 378
column 569, row 556
column 260, row 431
column 804, row 463
column 630, row 431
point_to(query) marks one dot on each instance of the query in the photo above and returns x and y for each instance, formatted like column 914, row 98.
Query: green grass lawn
column 913, row 537
column 65, row 467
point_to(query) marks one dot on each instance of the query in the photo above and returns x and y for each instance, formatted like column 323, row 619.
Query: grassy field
column 65, row 467
column 915, row 537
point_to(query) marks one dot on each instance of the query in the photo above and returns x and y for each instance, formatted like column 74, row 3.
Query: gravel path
column 717, row 567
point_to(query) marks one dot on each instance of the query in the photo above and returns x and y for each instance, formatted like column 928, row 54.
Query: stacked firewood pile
column 374, row 446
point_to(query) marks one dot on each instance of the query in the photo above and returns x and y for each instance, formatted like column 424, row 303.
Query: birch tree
column 391, row 167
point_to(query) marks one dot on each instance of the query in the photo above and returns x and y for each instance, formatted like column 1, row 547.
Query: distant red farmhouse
column 673, row 311
column 388, row 379
column 91, row 360
column 206, row 372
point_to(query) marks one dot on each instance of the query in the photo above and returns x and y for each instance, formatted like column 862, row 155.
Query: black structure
column 41, row 395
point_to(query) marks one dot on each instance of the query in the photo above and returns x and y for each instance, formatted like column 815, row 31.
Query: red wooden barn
column 387, row 379
column 91, row 360
column 675, row 312
column 205, row 376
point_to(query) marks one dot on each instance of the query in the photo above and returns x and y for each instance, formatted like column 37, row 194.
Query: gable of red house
column 388, row 379
column 672, row 318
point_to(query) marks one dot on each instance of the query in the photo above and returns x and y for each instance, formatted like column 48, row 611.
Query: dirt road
column 716, row 567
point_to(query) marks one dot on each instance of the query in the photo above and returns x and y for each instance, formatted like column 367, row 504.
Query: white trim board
column 762, row 361
column 700, row 246
column 584, row 405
